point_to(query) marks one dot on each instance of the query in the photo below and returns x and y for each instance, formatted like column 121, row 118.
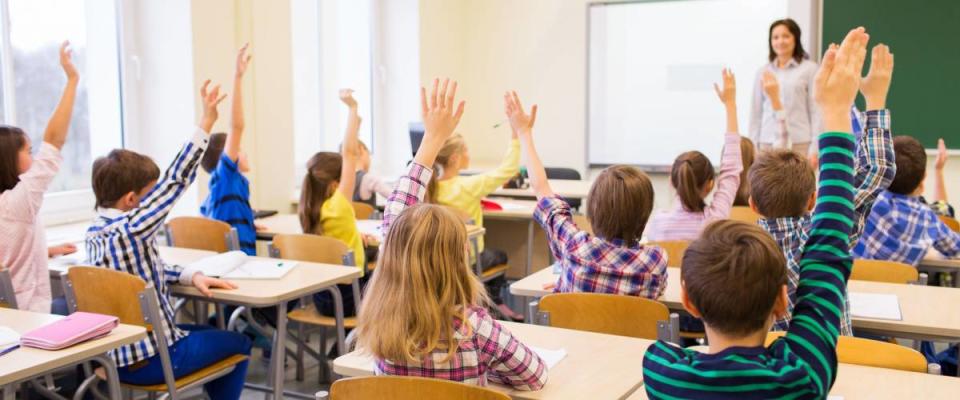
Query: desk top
column 512, row 209
column 564, row 188
column 290, row 224
column 596, row 366
column 27, row 362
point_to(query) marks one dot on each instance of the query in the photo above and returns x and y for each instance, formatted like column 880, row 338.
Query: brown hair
column 690, row 173
column 322, row 169
column 619, row 203
column 781, row 183
column 12, row 140
column 746, row 154
column 733, row 275
column 911, row 165
column 121, row 172
column 422, row 286
column 452, row 146
column 798, row 53
column 211, row 157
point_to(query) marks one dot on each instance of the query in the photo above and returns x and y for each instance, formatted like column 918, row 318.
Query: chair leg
column 322, row 360
column 300, row 360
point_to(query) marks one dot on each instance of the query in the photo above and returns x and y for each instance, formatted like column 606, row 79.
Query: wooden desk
column 597, row 366
column 26, row 363
column 290, row 224
column 568, row 189
column 514, row 231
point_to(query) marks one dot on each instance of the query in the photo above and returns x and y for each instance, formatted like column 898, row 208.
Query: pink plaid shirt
column 485, row 350
column 597, row 265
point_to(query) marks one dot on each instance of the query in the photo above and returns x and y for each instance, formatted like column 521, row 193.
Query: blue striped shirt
column 127, row 242
column 229, row 201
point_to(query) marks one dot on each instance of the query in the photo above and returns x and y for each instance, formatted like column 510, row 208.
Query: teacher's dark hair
column 798, row 53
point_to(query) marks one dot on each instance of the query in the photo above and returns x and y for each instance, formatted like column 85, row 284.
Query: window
column 32, row 82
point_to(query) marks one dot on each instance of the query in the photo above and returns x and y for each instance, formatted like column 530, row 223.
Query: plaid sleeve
column 554, row 215
column 408, row 192
column 945, row 240
column 876, row 166
column 510, row 362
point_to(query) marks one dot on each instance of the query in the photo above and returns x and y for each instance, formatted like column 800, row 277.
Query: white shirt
column 802, row 119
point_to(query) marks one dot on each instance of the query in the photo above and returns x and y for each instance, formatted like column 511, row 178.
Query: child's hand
column 728, row 95
column 260, row 228
column 838, row 80
column 346, row 96
column 772, row 88
column 941, row 155
column 440, row 119
column 66, row 61
column 876, row 84
column 204, row 283
column 210, row 100
column 243, row 60
column 61, row 250
column 369, row 240
column 521, row 122
column 549, row 286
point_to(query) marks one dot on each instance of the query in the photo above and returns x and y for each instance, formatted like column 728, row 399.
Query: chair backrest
column 409, row 388
column 745, row 214
column 199, row 233
column 8, row 297
column 873, row 353
column 566, row 174
column 104, row 291
column 363, row 210
column 883, row 271
column 310, row 248
column 605, row 313
column 674, row 249
column 953, row 224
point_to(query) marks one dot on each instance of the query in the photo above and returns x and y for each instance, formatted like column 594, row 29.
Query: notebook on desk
column 875, row 306
column 9, row 340
column 237, row 265
column 70, row 330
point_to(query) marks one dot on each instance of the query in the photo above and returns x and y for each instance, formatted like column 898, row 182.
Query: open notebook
column 237, row 265
column 9, row 340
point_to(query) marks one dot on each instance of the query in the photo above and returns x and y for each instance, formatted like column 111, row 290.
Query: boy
column 783, row 182
column 229, row 198
column 902, row 227
column 734, row 278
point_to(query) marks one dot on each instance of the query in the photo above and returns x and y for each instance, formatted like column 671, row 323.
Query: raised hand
column 66, row 61
column 520, row 121
column 440, row 118
column 346, row 96
column 727, row 95
column 838, row 79
column 876, row 84
column 243, row 60
column 772, row 89
column 941, row 155
column 211, row 99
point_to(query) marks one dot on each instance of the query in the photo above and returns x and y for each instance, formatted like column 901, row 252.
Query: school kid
column 424, row 312
column 132, row 205
column 783, row 183
column 737, row 317
column 23, row 181
column 368, row 185
column 692, row 176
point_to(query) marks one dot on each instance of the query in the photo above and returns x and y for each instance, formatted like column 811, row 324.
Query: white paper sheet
column 9, row 340
column 261, row 269
column 551, row 357
column 875, row 305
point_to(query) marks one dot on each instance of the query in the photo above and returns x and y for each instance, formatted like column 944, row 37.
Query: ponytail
column 322, row 170
column 432, row 185
column 690, row 173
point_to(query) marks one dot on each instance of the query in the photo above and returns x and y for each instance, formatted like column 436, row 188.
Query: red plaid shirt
column 485, row 350
column 593, row 264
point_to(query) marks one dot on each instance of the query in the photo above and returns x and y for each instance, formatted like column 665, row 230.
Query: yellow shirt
column 339, row 222
column 465, row 192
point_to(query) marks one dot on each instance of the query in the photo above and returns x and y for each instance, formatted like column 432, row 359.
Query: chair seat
column 494, row 272
column 312, row 317
column 225, row 365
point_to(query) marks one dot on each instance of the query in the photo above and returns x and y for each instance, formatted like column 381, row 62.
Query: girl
column 23, row 181
column 693, row 178
column 747, row 152
column 325, row 207
column 423, row 312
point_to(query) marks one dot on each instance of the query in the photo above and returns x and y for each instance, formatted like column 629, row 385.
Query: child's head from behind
column 692, row 176
column 15, row 157
column 453, row 156
column 122, row 178
column 422, row 284
column 320, row 182
column 734, row 278
column 211, row 157
column 911, row 161
column 620, row 202
column 782, row 184
column 747, row 154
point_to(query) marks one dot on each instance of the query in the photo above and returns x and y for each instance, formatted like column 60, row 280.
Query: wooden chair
column 674, row 249
column 134, row 302
column 606, row 313
column 583, row 223
column 323, row 250
column 363, row 210
column 873, row 353
column 953, row 224
column 409, row 388
column 745, row 214
column 8, row 297
column 883, row 271
column 202, row 234
column 484, row 274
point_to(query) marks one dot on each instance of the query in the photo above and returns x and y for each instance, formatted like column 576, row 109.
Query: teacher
column 783, row 113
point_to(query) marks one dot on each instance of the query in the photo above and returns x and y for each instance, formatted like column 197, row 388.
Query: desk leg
column 338, row 313
column 279, row 351
column 113, row 378
column 529, row 265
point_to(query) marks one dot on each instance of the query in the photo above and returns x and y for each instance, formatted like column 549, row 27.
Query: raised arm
column 350, row 150
column 772, row 89
column 731, row 162
column 59, row 124
column 522, row 125
column 232, row 148
column 939, row 184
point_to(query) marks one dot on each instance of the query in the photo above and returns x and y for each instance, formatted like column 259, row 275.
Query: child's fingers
column 451, row 96
column 423, row 100
column 507, row 109
column 442, row 96
column 433, row 93
column 222, row 97
column 533, row 115
column 459, row 113
column 516, row 100
column 203, row 88
column 826, row 67
column 716, row 88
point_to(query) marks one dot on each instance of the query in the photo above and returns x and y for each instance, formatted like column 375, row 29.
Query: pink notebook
column 72, row 329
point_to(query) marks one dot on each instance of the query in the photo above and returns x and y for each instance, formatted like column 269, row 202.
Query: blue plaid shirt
column 902, row 228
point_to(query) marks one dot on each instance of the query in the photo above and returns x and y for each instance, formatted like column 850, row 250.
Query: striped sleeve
column 825, row 264
column 410, row 190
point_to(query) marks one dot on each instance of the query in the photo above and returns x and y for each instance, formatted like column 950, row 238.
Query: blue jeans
column 202, row 347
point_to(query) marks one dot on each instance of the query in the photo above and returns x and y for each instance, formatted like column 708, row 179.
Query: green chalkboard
column 924, row 37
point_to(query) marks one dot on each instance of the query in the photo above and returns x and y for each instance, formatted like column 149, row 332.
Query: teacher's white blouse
column 802, row 119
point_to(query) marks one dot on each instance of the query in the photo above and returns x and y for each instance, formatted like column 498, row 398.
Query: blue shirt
column 229, row 201
column 902, row 228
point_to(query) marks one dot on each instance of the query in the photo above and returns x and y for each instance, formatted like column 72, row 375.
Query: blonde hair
column 421, row 286
column 454, row 145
